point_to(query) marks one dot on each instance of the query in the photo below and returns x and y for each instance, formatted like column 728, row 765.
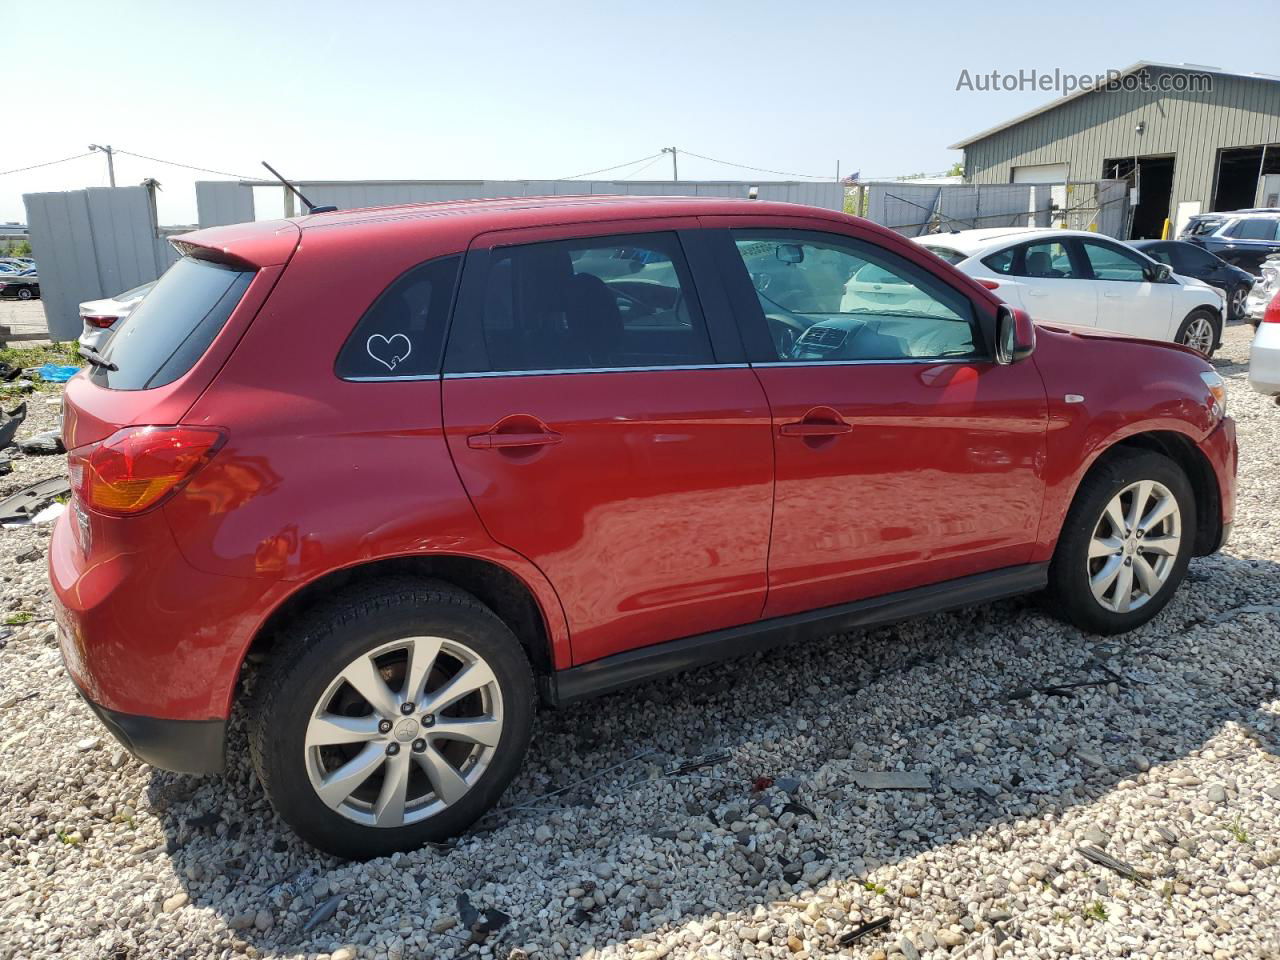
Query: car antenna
column 311, row 207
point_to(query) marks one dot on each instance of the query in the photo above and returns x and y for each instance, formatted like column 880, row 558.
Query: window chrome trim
column 860, row 363
column 415, row 376
column 547, row 373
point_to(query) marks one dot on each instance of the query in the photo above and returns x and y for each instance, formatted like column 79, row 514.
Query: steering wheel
column 785, row 333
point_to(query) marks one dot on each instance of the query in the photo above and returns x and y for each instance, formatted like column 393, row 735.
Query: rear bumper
column 183, row 746
column 143, row 634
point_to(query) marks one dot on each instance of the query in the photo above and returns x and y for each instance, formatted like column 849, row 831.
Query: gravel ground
column 613, row 846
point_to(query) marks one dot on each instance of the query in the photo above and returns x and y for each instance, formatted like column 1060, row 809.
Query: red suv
column 433, row 464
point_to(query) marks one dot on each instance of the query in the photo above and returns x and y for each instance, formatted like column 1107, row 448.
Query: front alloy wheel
column 1239, row 300
column 1198, row 334
column 1124, row 543
column 1134, row 546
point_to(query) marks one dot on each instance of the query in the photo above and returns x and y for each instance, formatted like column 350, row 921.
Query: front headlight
column 1218, row 393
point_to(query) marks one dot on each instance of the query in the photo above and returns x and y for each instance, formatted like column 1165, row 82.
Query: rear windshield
column 946, row 253
column 1202, row 225
column 172, row 326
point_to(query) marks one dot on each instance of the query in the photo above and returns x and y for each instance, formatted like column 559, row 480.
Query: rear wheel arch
column 504, row 593
column 1182, row 450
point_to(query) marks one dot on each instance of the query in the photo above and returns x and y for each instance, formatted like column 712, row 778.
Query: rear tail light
column 100, row 322
column 1273, row 310
column 137, row 468
column 989, row 284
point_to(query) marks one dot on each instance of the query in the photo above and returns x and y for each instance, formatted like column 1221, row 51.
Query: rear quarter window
column 172, row 326
column 402, row 335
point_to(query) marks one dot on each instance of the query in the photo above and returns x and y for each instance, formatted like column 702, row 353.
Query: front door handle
column 504, row 441
column 1112, row 295
column 819, row 422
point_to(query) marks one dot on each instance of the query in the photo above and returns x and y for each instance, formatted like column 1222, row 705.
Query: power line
column 48, row 163
column 174, row 163
column 636, row 173
column 743, row 166
column 629, row 163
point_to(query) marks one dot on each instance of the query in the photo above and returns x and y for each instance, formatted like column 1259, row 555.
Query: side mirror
column 1159, row 272
column 1015, row 335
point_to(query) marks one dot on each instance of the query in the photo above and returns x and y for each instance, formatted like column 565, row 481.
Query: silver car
column 101, row 318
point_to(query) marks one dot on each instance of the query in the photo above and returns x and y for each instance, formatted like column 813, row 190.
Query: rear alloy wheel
column 1199, row 332
column 403, row 731
column 393, row 714
column 24, row 294
column 1125, row 544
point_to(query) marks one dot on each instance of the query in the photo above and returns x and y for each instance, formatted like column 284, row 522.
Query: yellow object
column 1164, row 234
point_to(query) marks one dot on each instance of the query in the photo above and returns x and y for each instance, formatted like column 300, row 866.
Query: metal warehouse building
column 1189, row 139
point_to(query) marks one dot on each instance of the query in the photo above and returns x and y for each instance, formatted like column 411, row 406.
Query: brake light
column 137, row 468
column 101, row 322
column 989, row 284
column 1273, row 310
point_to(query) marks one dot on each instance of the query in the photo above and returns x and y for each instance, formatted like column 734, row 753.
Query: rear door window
column 1047, row 260
column 602, row 303
column 172, row 326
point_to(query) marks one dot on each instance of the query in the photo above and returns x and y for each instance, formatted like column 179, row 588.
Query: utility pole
column 111, row 166
column 675, row 171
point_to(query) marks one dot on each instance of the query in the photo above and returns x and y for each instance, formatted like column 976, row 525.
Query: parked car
column 1190, row 260
column 101, row 318
column 1264, row 354
column 16, row 287
column 1264, row 289
column 487, row 477
column 1078, row 277
column 1243, row 238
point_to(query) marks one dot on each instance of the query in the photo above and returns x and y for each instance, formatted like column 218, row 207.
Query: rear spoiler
column 212, row 255
column 243, row 245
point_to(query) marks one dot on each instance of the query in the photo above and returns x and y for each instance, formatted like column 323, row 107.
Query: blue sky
column 400, row 90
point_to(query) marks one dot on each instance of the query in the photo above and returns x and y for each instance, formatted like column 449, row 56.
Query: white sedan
column 1086, row 279
column 101, row 318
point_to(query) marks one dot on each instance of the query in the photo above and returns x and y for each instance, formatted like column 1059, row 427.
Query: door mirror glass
column 1015, row 335
column 1159, row 272
column 790, row 253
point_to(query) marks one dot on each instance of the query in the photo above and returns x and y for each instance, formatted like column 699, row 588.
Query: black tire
column 1215, row 324
column 307, row 659
column 1069, row 594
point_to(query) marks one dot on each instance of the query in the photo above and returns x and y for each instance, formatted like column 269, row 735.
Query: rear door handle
column 502, row 441
column 1032, row 292
column 1112, row 294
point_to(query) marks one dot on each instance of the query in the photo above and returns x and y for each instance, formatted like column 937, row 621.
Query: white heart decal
column 389, row 351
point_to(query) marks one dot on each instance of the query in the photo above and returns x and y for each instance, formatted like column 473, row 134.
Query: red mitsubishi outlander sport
column 539, row 449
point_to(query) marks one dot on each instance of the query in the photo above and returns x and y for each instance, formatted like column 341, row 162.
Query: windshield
column 172, row 326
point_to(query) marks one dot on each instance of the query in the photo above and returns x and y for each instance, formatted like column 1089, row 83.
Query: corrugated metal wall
column 1238, row 112
column 89, row 244
column 917, row 209
column 230, row 202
